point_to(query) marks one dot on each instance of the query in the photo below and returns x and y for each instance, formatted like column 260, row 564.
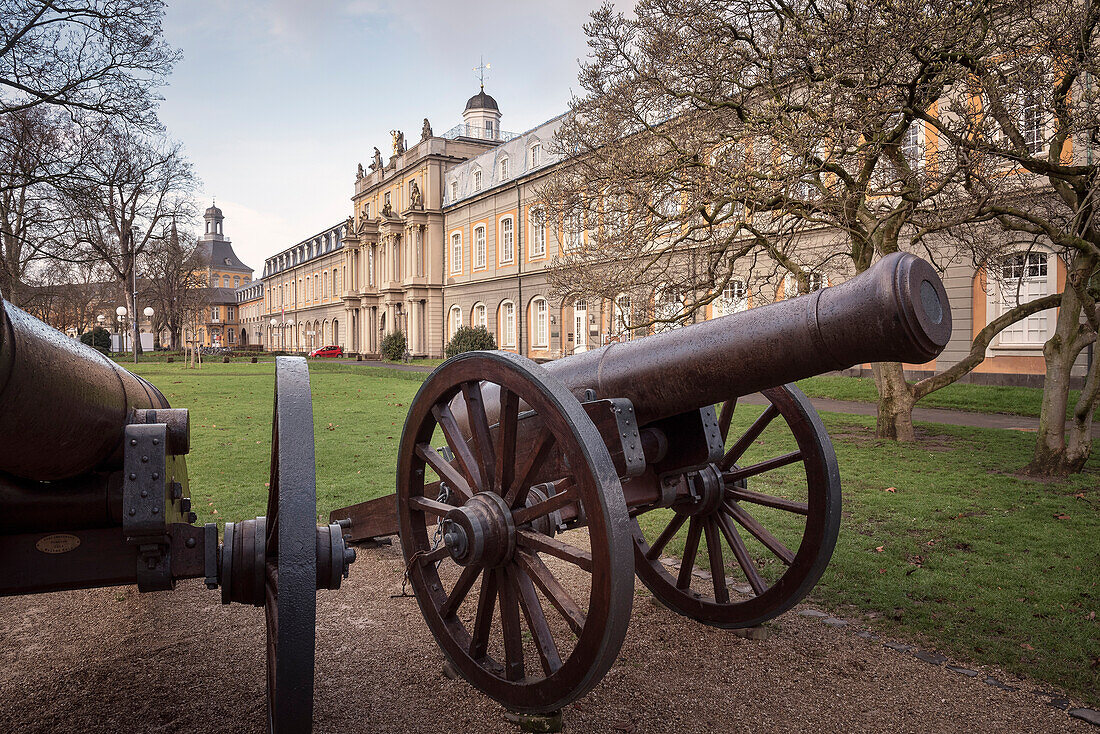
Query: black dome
column 481, row 100
column 213, row 211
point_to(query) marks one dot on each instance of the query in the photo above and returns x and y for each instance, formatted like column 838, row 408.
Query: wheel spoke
column 458, row 594
column 509, row 622
column 479, row 425
column 761, row 533
column 560, row 499
column 751, row 435
column 759, row 498
column 717, row 568
column 430, row 506
column 506, row 444
column 665, row 536
column 446, row 420
column 483, row 622
column 734, row 475
column 552, row 589
column 536, row 621
column 726, row 416
column 517, row 494
column 742, row 555
column 446, row 472
column 546, row 544
column 691, row 549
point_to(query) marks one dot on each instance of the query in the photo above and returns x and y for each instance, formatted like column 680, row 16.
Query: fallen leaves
column 891, row 489
column 1061, row 516
column 880, row 549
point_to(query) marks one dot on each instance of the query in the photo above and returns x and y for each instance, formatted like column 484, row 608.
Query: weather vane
column 481, row 69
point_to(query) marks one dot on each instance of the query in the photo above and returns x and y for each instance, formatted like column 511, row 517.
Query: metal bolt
column 145, row 460
column 156, row 441
column 190, row 543
column 156, row 475
column 133, row 476
column 144, row 493
column 132, row 512
column 156, row 510
column 133, row 442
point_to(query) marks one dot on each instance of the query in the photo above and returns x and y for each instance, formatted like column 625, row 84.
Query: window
column 580, row 326
column 489, row 129
column 507, row 241
column 541, row 326
column 229, row 313
column 508, row 324
column 479, row 316
column 536, row 154
column 477, row 179
column 366, row 210
column 1024, row 276
column 386, row 200
column 790, row 283
column 225, row 281
column 912, row 145
column 232, row 334
column 236, row 281
column 456, row 252
column 335, row 289
column 574, row 231
column 620, row 317
column 455, row 321
column 1031, row 123
column 503, row 168
column 734, row 298
column 479, row 247
column 454, row 190
column 214, row 314
column 538, row 233
column 667, row 307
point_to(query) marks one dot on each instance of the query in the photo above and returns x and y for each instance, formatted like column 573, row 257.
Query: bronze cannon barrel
column 63, row 405
column 895, row 311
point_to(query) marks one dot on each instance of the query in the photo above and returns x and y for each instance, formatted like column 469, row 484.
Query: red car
column 327, row 352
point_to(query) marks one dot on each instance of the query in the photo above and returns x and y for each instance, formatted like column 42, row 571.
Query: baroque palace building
column 219, row 324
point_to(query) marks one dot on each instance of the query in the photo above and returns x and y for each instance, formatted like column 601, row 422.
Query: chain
column 437, row 538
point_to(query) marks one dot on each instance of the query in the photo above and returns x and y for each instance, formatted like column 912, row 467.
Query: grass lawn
column 964, row 555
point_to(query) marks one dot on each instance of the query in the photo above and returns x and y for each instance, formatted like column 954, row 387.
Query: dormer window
column 477, row 179
column 503, row 168
column 536, row 154
column 454, row 190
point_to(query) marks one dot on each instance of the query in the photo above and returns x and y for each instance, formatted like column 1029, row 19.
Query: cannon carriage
column 529, row 496
column 94, row 492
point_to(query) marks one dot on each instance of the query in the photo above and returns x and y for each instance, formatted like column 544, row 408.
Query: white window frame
column 508, row 324
column 503, row 168
column 477, row 179
column 537, row 247
column 1022, row 277
column 620, row 316
column 454, row 320
column 479, row 315
column 507, row 241
column 480, row 260
column 790, row 284
column 734, row 298
column 456, row 252
column 536, row 154
column 454, row 190
column 540, row 310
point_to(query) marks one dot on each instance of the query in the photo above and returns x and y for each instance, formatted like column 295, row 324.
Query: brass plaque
column 59, row 543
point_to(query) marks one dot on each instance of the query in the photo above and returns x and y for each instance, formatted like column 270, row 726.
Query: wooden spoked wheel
column 527, row 605
column 767, row 514
column 290, row 570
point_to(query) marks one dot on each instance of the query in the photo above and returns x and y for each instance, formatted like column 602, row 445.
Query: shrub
column 470, row 339
column 394, row 346
column 98, row 338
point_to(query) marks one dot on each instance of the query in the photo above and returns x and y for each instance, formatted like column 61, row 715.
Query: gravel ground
column 113, row 660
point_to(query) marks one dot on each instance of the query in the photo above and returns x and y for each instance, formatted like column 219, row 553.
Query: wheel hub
column 706, row 490
column 481, row 532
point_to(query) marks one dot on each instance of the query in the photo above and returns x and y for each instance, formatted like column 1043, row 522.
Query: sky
column 277, row 101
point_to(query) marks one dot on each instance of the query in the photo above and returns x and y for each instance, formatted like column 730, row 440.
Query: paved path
column 928, row 415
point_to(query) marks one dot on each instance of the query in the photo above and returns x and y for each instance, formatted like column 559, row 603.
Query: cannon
column 528, row 496
column 94, row 492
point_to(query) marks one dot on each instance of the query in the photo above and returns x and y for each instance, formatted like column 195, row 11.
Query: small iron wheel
column 290, row 589
column 778, row 516
column 528, row 607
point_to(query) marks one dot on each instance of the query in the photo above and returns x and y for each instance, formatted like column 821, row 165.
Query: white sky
column 276, row 102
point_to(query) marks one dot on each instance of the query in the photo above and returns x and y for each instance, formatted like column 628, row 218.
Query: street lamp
column 148, row 311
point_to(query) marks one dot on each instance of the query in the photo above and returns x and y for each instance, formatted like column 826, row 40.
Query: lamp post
column 133, row 266
column 120, row 312
column 271, row 341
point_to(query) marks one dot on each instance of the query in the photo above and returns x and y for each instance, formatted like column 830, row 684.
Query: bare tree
column 177, row 275
column 1026, row 129
column 141, row 184
column 776, row 140
column 103, row 57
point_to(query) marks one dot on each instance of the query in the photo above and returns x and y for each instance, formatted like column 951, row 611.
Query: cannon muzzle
column 64, row 406
column 896, row 311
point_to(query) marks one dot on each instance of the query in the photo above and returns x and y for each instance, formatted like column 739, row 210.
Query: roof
column 220, row 255
column 221, row 295
column 213, row 211
column 482, row 101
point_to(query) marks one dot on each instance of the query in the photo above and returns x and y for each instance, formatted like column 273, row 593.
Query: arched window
column 478, row 316
column 540, row 317
column 225, row 281
column 507, row 241
column 455, row 320
column 1017, row 279
column 504, row 168
column 734, row 298
column 580, row 326
column 536, row 154
column 456, row 252
column 479, row 247
column 477, row 179
column 508, row 324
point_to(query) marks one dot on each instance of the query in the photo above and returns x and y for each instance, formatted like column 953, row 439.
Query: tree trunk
column 1079, row 445
column 895, row 403
column 1051, row 457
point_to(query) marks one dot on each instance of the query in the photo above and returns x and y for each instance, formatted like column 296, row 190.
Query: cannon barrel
column 63, row 405
column 895, row 311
